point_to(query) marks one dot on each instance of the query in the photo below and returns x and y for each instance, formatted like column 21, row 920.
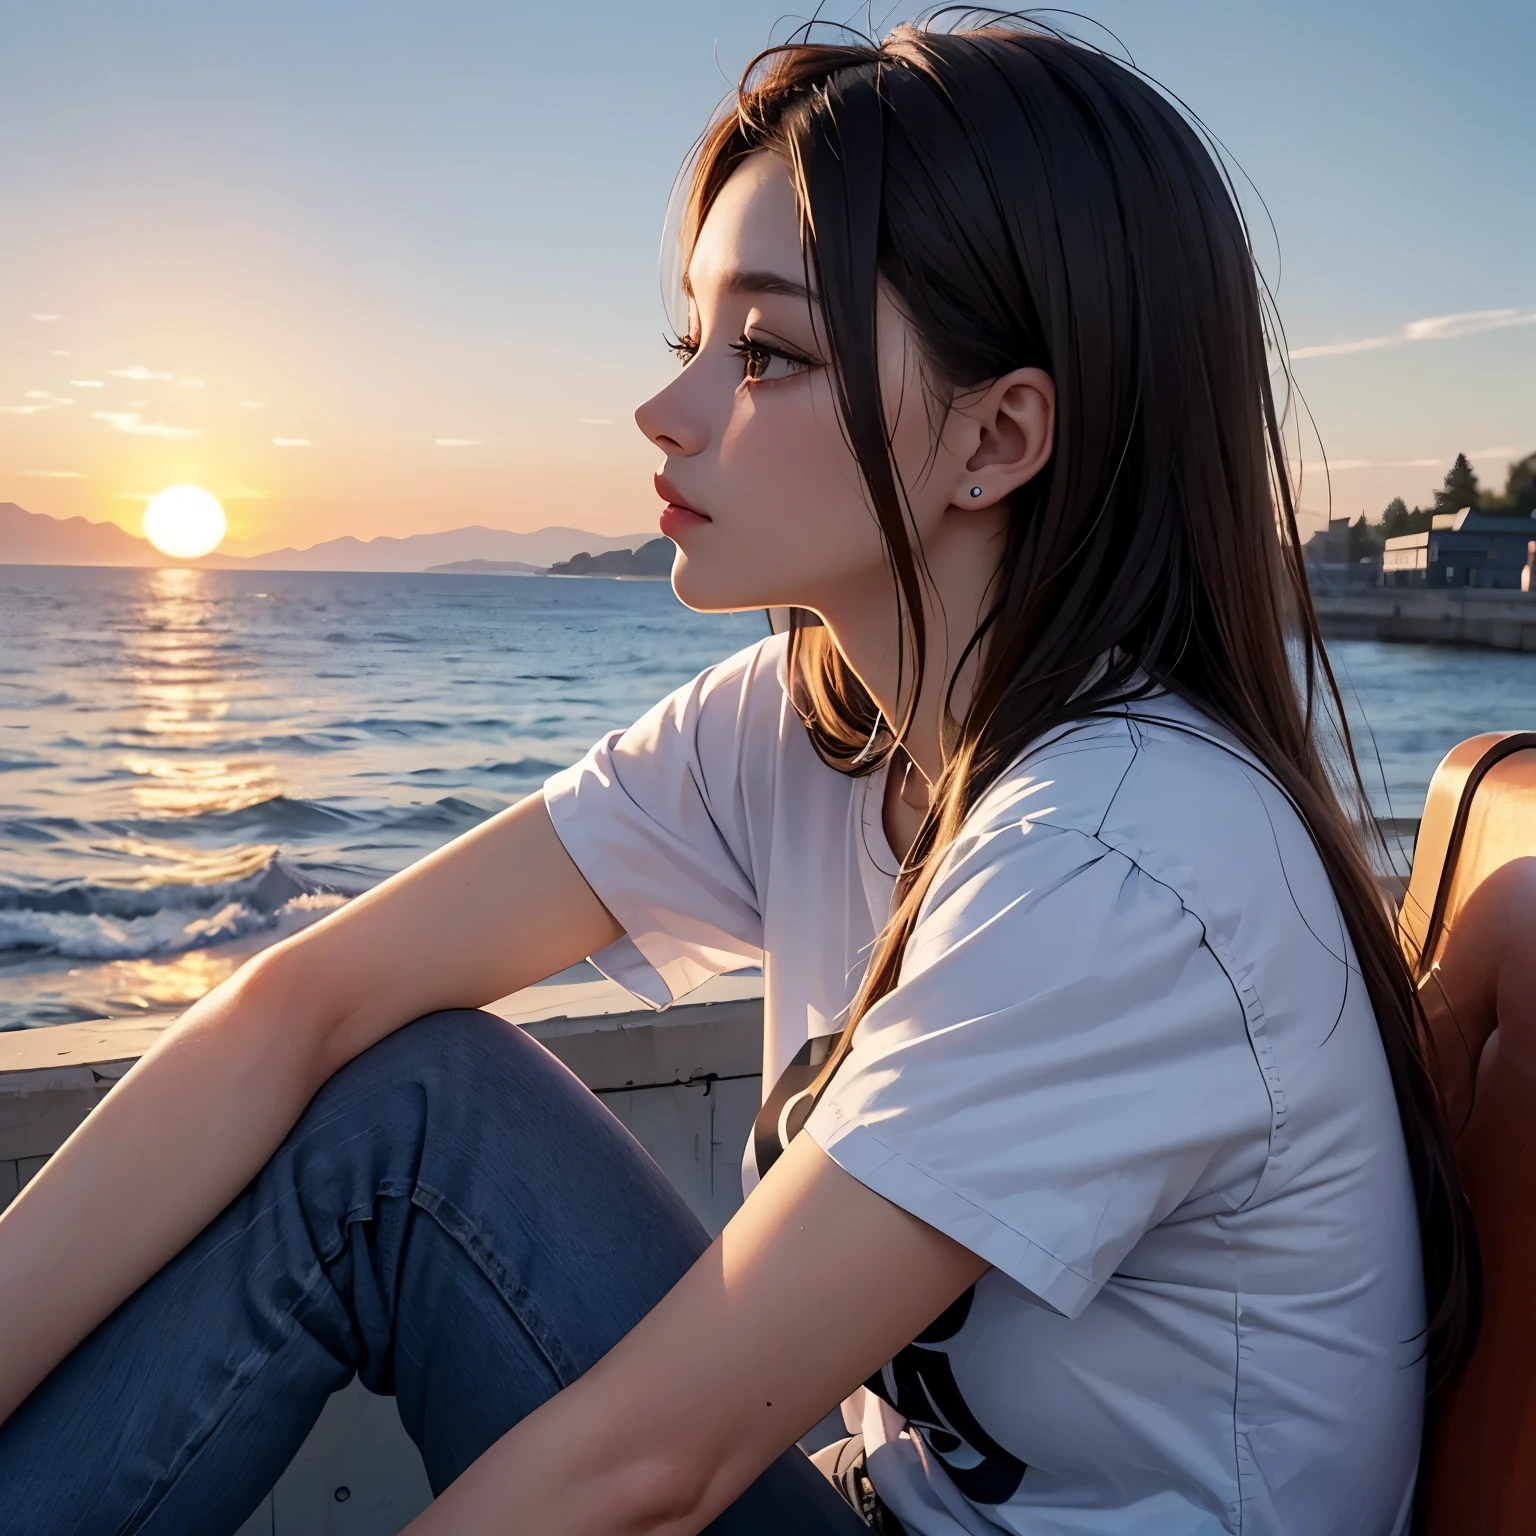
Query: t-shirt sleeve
column 661, row 821
column 1062, row 1064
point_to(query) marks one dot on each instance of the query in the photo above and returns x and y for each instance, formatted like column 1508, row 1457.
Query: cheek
column 791, row 518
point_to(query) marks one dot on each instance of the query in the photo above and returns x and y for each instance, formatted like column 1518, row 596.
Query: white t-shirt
column 1130, row 1063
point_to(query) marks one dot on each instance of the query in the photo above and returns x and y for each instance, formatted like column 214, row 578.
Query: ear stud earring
column 975, row 490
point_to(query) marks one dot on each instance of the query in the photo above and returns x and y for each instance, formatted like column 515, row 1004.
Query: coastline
column 1464, row 616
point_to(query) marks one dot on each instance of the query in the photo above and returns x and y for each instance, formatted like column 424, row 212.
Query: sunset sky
column 392, row 268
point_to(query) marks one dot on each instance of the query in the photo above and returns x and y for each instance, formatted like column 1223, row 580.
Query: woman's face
column 765, row 500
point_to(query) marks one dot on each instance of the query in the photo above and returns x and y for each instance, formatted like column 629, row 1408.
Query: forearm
column 192, row 1123
column 750, row 1348
column 182, row 1133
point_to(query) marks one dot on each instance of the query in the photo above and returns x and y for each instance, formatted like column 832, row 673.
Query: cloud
column 44, row 317
column 1335, row 466
column 55, row 352
column 86, row 384
column 135, row 426
column 595, row 421
column 456, row 442
column 291, row 442
column 42, row 401
column 252, row 405
column 1473, row 322
column 190, row 384
column 139, row 374
column 52, row 474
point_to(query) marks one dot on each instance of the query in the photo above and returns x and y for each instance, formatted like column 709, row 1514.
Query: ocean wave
column 277, row 817
column 278, row 820
column 264, row 889
column 447, row 813
column 96, row 936
column 274, row 818
column 93, row 921
column 298, row 742
column 527, row 768
column 323, row 736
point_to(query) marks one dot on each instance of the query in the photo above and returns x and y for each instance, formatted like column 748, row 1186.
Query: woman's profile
column 1100, row 1175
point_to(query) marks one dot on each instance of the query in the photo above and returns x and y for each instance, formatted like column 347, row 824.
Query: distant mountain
column 421, row 551
column 33, row 538
column 30, row 538
column 485, row 568
column 652, row 559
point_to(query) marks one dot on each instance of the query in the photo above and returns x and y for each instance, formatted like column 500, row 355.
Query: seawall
column 1500, row 620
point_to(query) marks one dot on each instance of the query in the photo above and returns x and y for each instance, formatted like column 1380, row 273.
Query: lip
column 673, row 497
column 677, row 515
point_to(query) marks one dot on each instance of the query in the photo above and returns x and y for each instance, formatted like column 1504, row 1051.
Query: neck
column 962, row 568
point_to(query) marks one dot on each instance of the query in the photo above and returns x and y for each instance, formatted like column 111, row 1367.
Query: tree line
column 1461, row 489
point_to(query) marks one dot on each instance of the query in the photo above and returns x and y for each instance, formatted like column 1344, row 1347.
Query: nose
column 669, row 421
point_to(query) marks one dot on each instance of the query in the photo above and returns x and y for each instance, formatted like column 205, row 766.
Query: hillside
column 650, row 559
column 33, row 538
column 30, row 538
column 421, row 551
column 485, row 568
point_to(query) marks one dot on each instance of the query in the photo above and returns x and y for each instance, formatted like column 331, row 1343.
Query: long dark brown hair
column 1032, row 202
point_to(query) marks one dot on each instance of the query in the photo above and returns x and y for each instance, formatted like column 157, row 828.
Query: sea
column 196, row 763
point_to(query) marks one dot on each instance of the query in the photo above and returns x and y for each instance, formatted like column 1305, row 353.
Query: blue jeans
column 456, row 1220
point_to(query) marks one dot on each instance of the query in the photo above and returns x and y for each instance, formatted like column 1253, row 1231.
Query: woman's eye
column 683, row 348
column 760, row 362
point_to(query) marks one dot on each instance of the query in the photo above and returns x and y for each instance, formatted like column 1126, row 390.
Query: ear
column 1014, row 418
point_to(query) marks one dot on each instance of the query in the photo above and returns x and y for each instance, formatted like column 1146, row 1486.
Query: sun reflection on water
column 155, row 863
column 201, row 785
column 180, row 666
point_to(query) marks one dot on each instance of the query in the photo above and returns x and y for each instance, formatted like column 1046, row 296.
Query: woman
column 1100, row 1148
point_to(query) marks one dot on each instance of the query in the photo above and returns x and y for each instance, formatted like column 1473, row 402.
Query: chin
column 711, row 586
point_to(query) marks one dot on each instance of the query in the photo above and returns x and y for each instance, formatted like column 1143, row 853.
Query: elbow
column 654, row 1491
column 271, row 1000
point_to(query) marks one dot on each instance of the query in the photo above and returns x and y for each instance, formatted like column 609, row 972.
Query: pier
column 1496, row 619
column 686, row 1082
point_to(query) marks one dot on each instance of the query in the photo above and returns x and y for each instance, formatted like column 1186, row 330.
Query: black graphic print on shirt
column 789, row 1105
column 920, row 1385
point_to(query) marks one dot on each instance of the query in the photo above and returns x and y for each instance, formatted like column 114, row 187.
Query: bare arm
column 813, row 1286
column 188, row 1127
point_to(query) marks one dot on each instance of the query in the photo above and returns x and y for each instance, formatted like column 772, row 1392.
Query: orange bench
column 1468, row 927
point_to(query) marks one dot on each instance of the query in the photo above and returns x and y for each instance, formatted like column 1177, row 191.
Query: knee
column 441, row 1071
column 457, row 1058
column 453, row 1045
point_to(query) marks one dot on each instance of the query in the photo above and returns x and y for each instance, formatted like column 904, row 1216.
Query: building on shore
column 1329, row 566
column 1463, row 549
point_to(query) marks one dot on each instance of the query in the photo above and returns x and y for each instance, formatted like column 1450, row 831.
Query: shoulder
column 1156, row 777
column 1164, row 790
column 754, row 678
column 759, row 669
column 1146, row 766
column 733, row 708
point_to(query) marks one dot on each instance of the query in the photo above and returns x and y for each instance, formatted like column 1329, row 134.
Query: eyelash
column 685, row 349
column 746, row 350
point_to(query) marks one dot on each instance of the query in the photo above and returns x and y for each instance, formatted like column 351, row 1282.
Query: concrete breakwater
column 1500, row 620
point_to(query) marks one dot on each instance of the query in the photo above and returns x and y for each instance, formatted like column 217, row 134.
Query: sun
column 185, row 521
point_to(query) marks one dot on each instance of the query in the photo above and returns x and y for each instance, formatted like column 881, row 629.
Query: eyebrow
column 756, row 282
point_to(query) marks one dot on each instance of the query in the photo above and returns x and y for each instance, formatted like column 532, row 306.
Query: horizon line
column 295, row 549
